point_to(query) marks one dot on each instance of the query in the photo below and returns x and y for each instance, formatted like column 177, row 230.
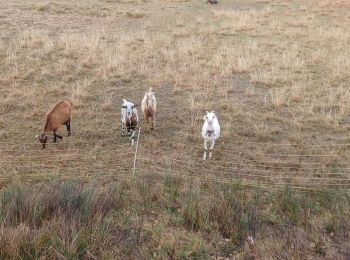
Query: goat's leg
column 211, row 148
column 147, row 124
column 68, row 127
column 205, row 150
column 58, row 136
column 55, row 136
column 132, row 136
column 145, row 120
column 153, row 122
column 148, row 127
column 123, row 129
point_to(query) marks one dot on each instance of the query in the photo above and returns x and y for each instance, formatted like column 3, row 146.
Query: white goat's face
column 149, row 96
column 209, row 117
column 129, row 107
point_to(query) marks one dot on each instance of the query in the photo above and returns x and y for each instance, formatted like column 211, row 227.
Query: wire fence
column 188, row 134
column 103, row 155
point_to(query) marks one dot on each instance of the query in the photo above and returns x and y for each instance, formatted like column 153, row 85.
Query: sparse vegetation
column 172, row 219
column 276, row 73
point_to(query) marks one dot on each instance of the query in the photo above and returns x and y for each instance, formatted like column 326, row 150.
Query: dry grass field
column 277, row 73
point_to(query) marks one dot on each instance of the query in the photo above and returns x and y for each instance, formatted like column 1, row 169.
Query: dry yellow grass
column 272, row 70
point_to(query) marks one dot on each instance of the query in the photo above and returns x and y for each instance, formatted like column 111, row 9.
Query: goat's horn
column 36, row 136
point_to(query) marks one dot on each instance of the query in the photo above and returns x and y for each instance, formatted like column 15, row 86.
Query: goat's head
column 150, row 95
column 43, row 139
column 209, row 117
column 129, row 107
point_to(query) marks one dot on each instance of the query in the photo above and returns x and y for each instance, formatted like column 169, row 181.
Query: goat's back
column 59, row 114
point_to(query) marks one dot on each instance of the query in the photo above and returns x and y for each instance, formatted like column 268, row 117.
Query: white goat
column 210, row 132
column 129, row 119
column 149, row 107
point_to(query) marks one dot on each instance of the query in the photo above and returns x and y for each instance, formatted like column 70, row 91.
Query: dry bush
column 73, row 220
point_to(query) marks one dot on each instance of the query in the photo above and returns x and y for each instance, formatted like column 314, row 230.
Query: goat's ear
column 123, row 106
column 150, row 89
column 206, row 112
column 124, row 101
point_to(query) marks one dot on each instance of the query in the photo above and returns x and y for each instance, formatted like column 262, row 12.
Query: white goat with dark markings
column 210, row 132
column 129, row 119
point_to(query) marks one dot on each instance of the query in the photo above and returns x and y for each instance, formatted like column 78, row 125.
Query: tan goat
column 149, row 108
column 59, row 115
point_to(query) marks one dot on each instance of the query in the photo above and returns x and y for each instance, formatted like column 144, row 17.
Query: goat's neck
column 46, row 128
column 210, row 126
column 149, row 102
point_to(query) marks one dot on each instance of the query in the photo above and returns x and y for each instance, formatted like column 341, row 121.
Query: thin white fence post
column 137, row 146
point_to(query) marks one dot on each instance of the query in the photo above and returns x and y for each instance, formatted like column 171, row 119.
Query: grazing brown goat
column 59, row 115
column 149, row 108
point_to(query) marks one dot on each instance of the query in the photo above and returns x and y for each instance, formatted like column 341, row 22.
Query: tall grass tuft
column 168, row 218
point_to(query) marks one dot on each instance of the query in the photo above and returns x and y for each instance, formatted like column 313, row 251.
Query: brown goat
column 59, row 115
